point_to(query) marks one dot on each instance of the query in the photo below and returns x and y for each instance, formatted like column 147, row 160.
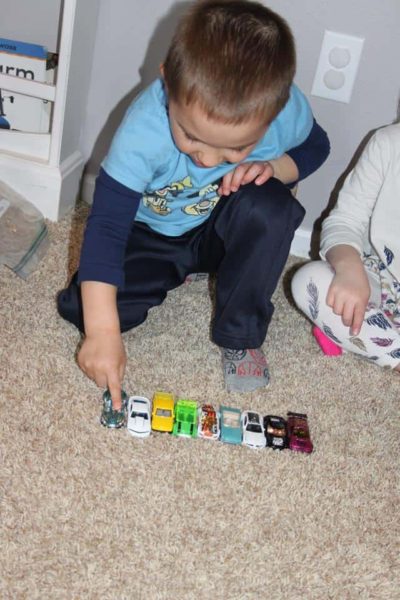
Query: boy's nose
column 209, row 160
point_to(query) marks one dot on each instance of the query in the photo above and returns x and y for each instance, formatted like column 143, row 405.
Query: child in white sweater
column 353, row 294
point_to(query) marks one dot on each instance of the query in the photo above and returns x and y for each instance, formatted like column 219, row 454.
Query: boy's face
column 209, row 142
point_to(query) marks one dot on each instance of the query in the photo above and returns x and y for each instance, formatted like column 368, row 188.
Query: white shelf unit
column 47, row 168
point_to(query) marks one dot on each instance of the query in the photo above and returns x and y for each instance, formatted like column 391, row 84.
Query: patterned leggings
column 379, row 338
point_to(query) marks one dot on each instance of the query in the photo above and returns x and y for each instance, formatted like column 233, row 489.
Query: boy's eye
column 192, row 139
column 189, row 137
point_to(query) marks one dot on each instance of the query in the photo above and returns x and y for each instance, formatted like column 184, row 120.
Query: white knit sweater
column 367, row 214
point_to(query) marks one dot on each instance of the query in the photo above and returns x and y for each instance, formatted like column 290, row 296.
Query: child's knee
column 272, row 203
column 310, row 284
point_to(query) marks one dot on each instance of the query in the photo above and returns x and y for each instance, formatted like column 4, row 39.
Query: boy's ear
column 162, row 75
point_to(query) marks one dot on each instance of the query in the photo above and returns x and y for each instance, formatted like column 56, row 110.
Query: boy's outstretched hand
column 102, row 355
column 103, row 359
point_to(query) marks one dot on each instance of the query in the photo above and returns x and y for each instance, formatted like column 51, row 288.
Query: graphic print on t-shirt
column 180, row 195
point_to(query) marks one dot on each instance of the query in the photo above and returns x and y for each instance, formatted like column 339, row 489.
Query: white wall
column 84, row 35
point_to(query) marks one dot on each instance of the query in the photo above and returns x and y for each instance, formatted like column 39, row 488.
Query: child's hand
column 348, row 296
column 349, row 291
column 102, row 358
column 257, row 171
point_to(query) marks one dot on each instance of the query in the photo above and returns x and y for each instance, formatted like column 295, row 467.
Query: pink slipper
column 327, row 346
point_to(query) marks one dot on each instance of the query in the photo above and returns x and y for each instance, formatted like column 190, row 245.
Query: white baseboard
column 53, row 190
column 301, row 241
column 87, row 190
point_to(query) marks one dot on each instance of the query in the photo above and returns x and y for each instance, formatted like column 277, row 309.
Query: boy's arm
column 107, row 231
column 102, row 355
column 310, row 154
column 285, row 169
column 299, row 162
column 291, row 167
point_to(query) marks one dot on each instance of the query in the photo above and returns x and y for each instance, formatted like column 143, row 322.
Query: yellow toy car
column 163, row 413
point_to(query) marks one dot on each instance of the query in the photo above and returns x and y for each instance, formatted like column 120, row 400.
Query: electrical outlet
column 337, row 66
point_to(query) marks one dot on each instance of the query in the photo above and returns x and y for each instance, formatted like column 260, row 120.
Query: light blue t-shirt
column 178, row 195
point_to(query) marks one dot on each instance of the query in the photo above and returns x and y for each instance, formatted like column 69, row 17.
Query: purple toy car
column 299, row 433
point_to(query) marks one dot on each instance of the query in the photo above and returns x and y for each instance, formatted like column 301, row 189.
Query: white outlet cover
column 338, row 62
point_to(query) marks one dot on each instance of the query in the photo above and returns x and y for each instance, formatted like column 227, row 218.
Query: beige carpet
column 92, row 513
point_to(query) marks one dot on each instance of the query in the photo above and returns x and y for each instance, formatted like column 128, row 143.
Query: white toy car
column 253, row 430
column 139, row 416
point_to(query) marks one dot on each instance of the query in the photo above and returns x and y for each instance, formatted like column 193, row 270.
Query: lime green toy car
column 185, row 419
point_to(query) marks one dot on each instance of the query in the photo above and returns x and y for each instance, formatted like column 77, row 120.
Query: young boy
column 196, row 180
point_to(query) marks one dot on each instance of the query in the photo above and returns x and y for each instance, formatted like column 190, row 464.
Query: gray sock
column 244, row 370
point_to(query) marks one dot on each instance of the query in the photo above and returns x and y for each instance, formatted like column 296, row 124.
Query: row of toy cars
column 185, row 418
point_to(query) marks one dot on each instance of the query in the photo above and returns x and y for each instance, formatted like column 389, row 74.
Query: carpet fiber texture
column 93, row 513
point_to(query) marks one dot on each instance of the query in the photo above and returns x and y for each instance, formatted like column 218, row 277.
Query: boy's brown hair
column 234, row 58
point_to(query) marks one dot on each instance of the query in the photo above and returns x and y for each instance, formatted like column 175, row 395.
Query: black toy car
column 276, row 432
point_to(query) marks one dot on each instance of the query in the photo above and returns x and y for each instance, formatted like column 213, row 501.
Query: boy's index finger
column 114, row 387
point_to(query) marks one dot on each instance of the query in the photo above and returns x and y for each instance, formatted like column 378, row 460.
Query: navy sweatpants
column 246, row 242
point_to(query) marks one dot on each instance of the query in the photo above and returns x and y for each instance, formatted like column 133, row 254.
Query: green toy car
column 185, row 419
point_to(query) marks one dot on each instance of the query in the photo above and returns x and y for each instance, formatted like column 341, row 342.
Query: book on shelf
column 20, row 112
